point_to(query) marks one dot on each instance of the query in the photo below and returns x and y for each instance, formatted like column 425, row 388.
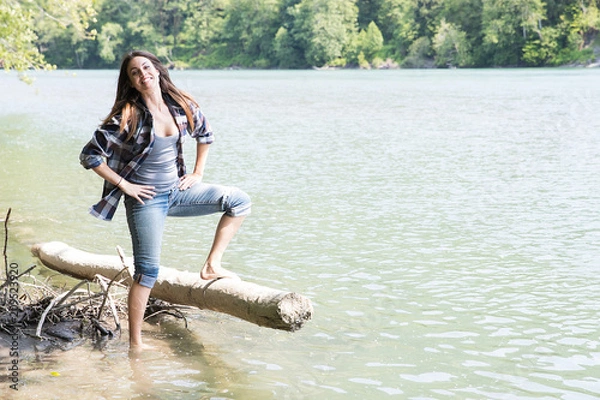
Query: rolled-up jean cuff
column 144, row 280
column 239, row 212
column 237, row 203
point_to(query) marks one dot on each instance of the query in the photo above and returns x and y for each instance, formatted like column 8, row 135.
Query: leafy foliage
column 451, row 46
column 299, row 33
column 17, row 48
column 25, row 24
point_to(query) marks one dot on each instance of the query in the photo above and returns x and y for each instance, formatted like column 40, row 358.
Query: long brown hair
column 127, row 102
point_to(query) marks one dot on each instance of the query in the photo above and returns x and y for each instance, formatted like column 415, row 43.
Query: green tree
column 324, row 29
column 22, row 23
column 428, row 16
column 109, row 38
column 201, row 31
column 584, row 22
column 371, row 41
column 288, row 51
column 399, row 26
column 249, row 31
column 451, row 46
column 418, row 53
column 465, row 14
column 17, row 49
column 542, row 49
column 365, row 47
column 297, row 33
column 555, row 10
column 506, row 27
column 579, row 27
column 156, row 25
column 368, row 11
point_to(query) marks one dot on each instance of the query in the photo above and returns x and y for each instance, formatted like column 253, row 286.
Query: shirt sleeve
column 100, row 146
column 202, row 130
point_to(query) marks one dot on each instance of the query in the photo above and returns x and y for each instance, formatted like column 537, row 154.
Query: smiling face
column 143, row 74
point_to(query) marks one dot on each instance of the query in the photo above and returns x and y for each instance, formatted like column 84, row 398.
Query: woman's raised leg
column 226, row 230
column 205, row 199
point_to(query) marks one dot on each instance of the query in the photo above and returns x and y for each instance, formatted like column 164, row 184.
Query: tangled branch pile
column 89, row 310
column 34, row 308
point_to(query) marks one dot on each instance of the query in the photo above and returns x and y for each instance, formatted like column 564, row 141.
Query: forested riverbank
column 92, row 34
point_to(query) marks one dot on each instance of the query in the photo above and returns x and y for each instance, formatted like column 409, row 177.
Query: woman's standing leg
column 146, row 225
column 136, row 305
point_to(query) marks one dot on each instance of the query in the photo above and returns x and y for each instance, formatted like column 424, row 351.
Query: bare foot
column 137, row 349
column 209, row 273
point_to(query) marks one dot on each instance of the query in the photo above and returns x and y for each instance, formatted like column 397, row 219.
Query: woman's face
column 142, row 74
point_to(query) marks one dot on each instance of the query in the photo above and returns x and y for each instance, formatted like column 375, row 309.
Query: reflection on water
column 444, row 223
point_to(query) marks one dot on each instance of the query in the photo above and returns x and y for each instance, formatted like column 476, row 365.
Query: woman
column 138, row 151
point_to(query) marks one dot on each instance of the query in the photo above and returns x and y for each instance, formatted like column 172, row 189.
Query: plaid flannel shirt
column 125, row 156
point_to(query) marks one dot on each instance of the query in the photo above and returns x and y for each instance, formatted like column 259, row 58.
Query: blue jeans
column 146, row 221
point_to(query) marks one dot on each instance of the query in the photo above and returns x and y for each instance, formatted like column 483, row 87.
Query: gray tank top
column 160, row 167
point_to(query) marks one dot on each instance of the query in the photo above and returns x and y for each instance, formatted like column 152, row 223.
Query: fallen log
column 245, row 300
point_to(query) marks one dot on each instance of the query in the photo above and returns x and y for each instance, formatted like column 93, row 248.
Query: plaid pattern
column 125, row 157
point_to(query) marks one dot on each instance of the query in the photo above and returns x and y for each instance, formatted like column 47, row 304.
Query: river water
column 444, row 223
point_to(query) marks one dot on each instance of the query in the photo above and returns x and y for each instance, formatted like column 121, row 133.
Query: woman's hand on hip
column 138, row 192
column 189, row 180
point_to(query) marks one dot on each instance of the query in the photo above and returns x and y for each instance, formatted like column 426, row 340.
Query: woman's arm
column 190, row 180
column 136, row 191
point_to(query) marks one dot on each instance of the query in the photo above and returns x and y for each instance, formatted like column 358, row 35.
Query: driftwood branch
column 248, row 301
column 6, row 242
column 107, row 296
column 56, row 301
